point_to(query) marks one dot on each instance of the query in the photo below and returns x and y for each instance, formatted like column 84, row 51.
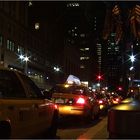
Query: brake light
column 100, row 101
column 117, row 99
column 80, row 101
column 55, row 106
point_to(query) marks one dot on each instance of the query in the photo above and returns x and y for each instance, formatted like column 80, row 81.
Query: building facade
column 16, row 42
column 122, row 22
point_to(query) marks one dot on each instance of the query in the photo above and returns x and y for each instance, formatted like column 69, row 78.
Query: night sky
column 51, row 10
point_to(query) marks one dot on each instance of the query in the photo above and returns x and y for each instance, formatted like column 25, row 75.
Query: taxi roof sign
column 73, row 80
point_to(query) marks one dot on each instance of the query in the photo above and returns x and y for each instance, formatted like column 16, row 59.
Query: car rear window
column 33, row 90
column 70, row 89
column 10, row 86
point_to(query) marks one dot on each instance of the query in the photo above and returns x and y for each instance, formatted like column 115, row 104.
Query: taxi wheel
column 51, row 133
column 5, row 129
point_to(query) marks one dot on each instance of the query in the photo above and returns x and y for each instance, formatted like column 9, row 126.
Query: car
column 24, row 110
column 116, row 99
column 75, row 100
column 102, row 101
column 123, row 119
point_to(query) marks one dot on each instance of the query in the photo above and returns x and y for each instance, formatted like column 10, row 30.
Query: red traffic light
column 99, row 77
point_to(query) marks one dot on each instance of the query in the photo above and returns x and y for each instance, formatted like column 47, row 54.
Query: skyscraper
column 122, row 21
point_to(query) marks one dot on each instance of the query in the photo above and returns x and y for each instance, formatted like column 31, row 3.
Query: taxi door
column 42, row 109
column 14, row 104
column 20, row 113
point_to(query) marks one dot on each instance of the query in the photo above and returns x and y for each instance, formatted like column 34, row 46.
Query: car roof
column 71, row 85
column 8, row 69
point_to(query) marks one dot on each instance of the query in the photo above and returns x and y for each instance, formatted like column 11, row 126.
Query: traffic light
column 99, row 77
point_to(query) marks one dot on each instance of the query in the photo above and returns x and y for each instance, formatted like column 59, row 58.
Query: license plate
column 59, row 101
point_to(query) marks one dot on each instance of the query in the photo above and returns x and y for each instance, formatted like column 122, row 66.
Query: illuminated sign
column 73, row 79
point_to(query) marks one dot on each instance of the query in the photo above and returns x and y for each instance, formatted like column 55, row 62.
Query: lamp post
column 24, row 59
column 132, row 59
column 57, row 73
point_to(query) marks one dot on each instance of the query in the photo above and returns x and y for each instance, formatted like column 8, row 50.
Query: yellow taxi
column 24, row 111
column 76, row 100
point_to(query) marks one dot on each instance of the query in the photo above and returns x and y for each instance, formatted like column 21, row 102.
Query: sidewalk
column 97, row 132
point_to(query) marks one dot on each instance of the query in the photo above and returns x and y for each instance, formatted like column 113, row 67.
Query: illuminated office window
column 37, row 26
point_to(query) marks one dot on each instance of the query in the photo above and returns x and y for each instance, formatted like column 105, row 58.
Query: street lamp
column 131, row 68
column 24, row 59
column 57, row 69
column 131, row 76
column 132, row 58
column 21, row 57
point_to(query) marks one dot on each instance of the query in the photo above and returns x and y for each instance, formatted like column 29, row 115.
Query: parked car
column 24, row 111
column 123, row 119
column 76, row 100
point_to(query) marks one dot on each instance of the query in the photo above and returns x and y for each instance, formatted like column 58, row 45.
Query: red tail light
column 55, row 106
column 100, row 101
column 116, row 100
column 80, row 101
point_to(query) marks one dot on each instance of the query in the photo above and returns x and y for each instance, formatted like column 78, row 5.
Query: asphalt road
column 76, row 129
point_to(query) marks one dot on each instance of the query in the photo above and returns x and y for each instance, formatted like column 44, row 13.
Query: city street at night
column 69, row 69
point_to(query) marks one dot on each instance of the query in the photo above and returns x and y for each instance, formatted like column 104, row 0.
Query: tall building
column 99, row 54
column 77, row 35
column 52, row 18
column 121, row 24
column 19, row 48
column 111, row 54
column 95, row 17
column 86, row 21
column 114, row 63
